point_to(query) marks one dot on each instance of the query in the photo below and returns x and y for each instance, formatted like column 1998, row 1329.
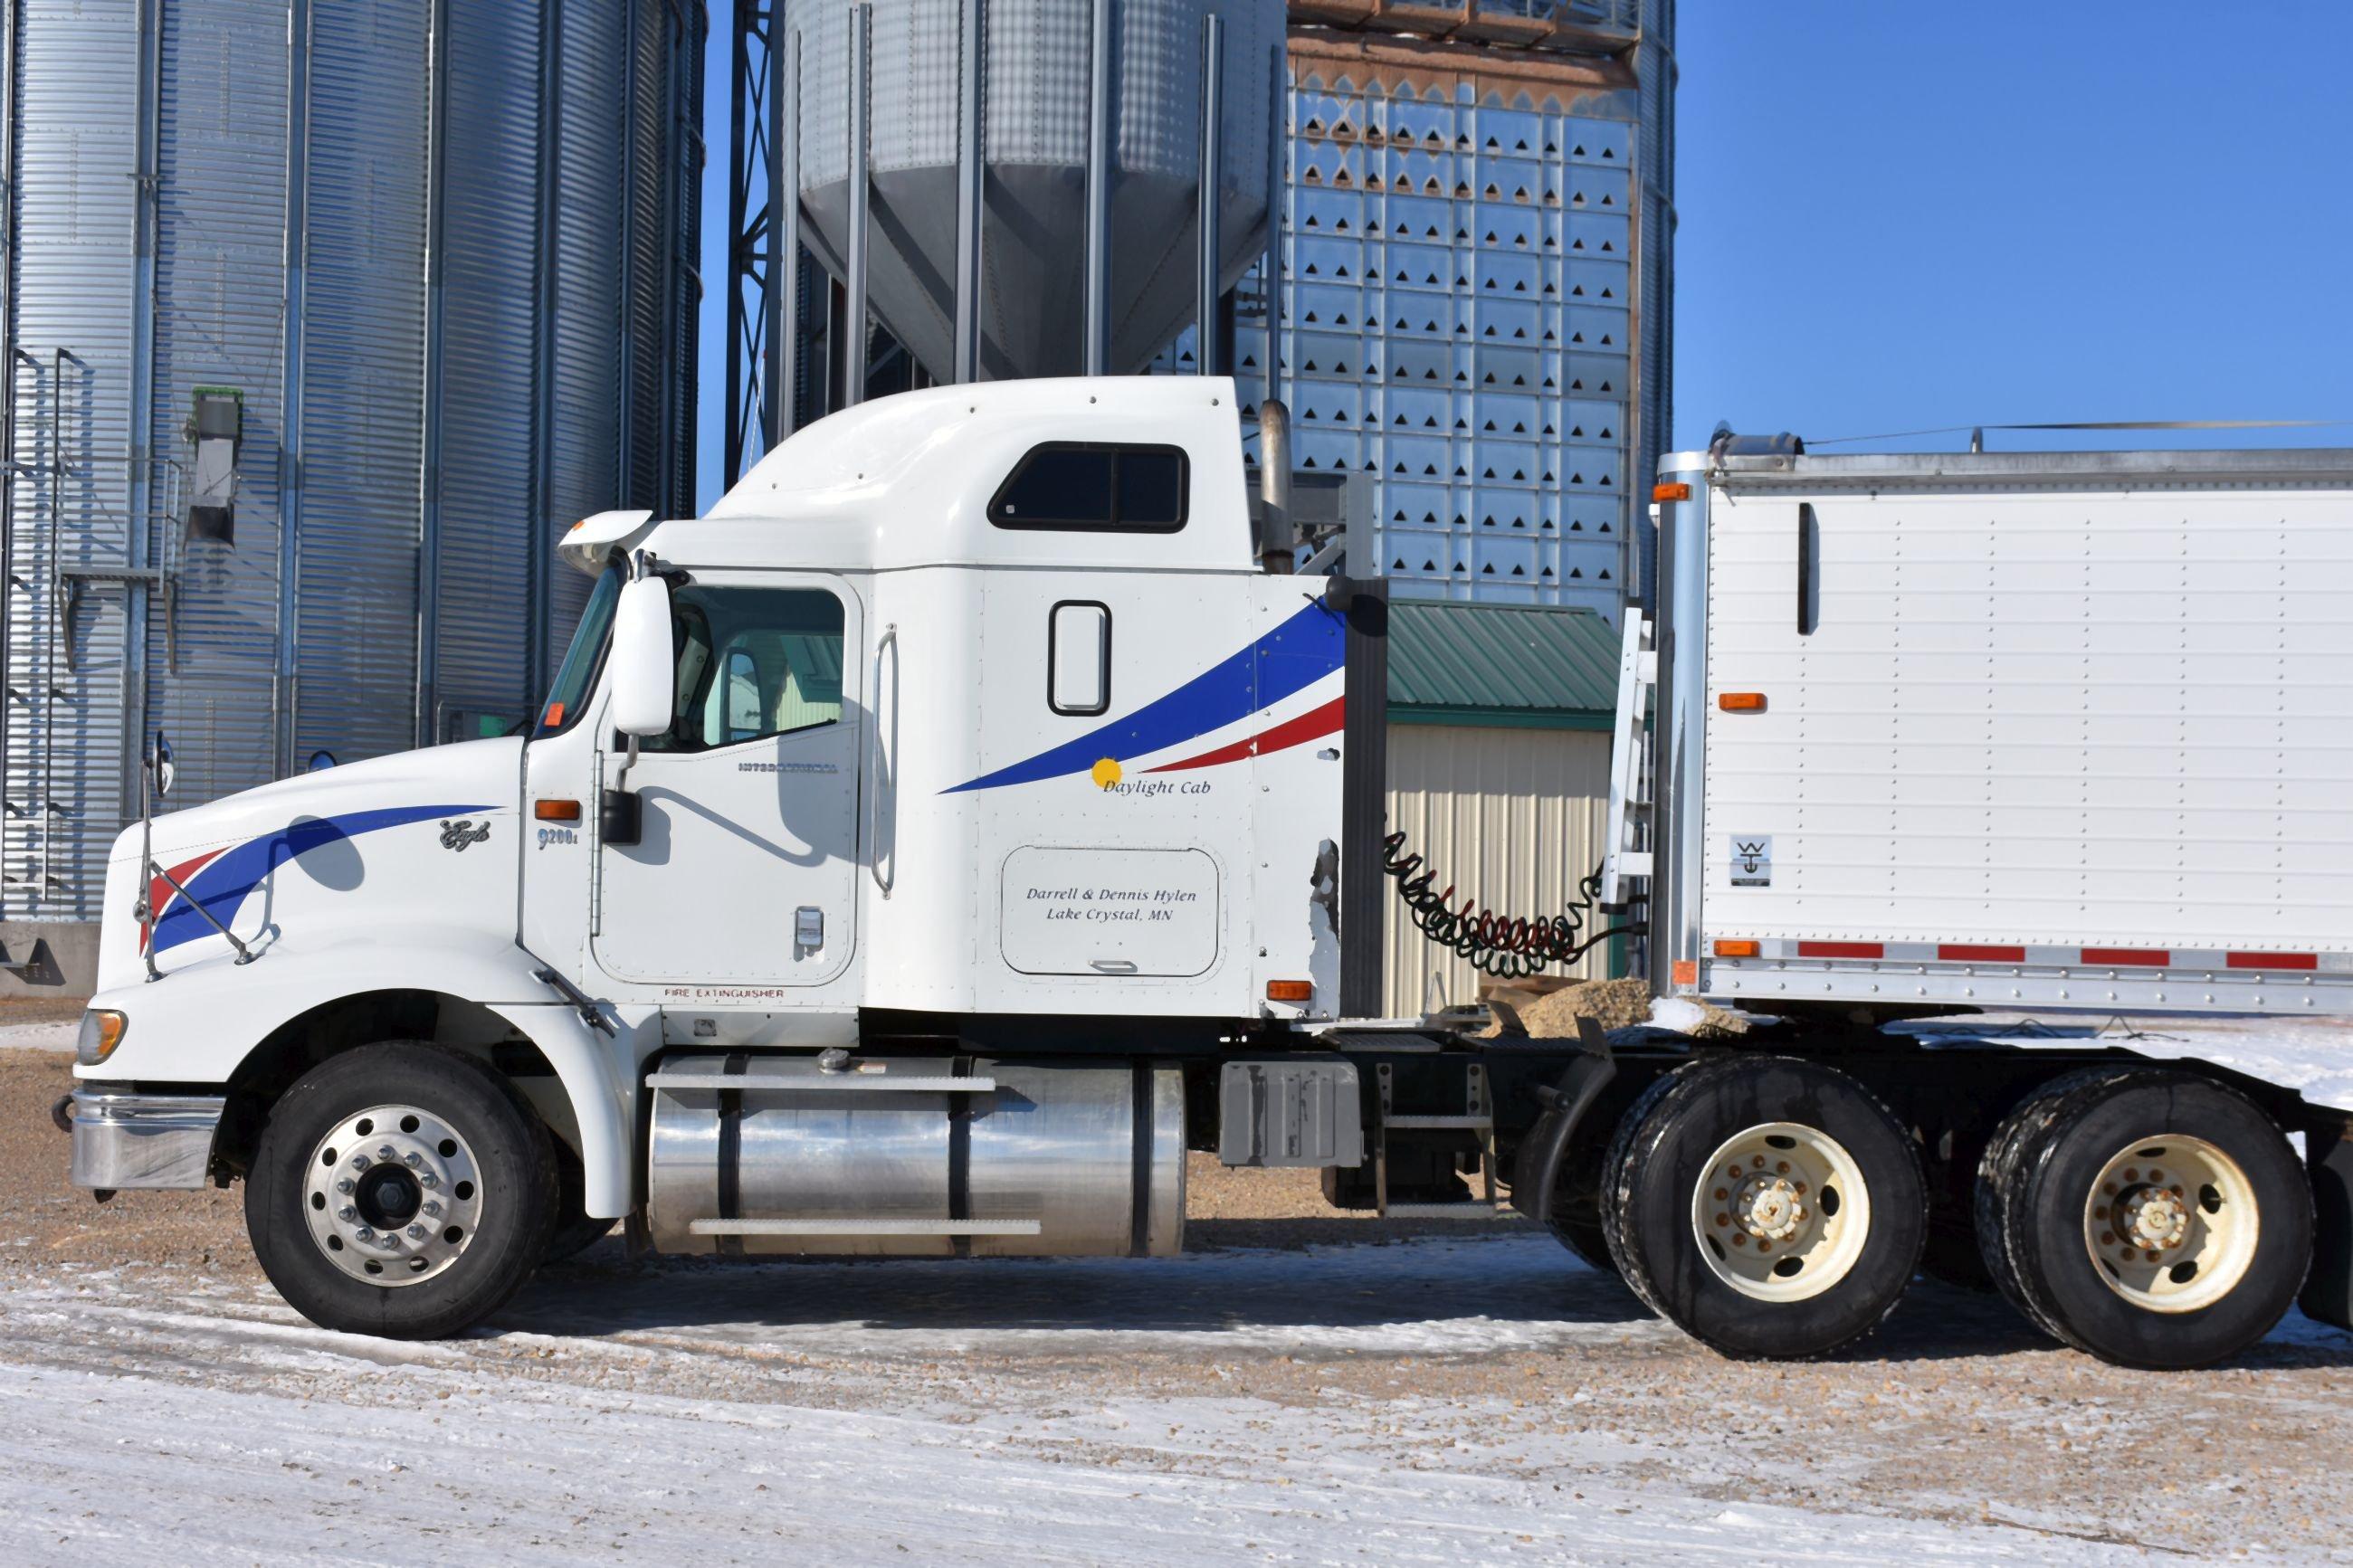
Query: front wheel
column 576, row 1230
column 401, row 1190
column 1769, row 1207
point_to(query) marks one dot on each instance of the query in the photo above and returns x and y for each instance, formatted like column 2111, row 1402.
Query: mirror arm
column 146, row 908
column 621, row 815
column 244, row 954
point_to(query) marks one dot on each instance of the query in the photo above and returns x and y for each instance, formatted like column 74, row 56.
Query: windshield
column 576, row 677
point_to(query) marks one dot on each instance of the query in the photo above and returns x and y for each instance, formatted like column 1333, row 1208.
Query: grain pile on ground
column 1551, row 1014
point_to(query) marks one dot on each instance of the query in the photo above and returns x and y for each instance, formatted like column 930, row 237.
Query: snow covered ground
column 38, row 1037
column 2312, row 1055
column 1436, row 1402
column 1441, row 1400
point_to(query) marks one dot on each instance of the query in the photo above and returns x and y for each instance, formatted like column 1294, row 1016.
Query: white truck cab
column 969, row 710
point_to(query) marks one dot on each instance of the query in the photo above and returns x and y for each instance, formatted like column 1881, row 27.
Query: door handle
column 882, row 760
column 1809, row 543
column 1114, row 965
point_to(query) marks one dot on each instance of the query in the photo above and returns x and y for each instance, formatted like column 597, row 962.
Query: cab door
column 745, row 870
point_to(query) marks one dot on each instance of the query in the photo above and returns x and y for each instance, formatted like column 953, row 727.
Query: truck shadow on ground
column 1429, row 1295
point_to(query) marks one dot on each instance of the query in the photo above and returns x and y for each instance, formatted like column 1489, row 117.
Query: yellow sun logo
column 1106, row 773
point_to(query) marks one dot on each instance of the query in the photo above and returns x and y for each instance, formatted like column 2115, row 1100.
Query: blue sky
column 1897, row 215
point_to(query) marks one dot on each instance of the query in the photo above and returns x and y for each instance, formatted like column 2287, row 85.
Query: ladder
column 1627, row 835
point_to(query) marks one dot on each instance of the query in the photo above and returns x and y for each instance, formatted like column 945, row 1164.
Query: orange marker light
column 1730, row 948
column 1290, row 991
column 557, row 810
column 1671, row 493
column 554, row 719
column 1742, row 702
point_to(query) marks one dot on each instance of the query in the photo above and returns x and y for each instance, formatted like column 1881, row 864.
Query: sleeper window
column 1095, row 487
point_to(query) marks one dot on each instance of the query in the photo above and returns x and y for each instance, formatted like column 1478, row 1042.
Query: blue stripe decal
column 222, row 886
column 1300, row 652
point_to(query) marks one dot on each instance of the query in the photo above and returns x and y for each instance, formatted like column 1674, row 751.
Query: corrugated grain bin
column 1034, row 144
column 323, row 319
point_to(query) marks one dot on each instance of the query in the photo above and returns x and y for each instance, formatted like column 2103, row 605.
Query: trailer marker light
column 2129, row 957
column 1733, row 948
column 557, row 810
column 1978, row 953
column 1290, row 991
column 2274, row 960
column 1671, row 493
column 1742, row 702
column 1842, row 950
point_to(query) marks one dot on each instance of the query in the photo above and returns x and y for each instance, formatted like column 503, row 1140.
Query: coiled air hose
column 1507, row 947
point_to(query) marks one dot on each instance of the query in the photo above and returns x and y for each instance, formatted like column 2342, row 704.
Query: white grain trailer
column 2015, row 731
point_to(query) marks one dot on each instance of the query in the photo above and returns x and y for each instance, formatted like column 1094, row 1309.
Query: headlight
column 102, row 1031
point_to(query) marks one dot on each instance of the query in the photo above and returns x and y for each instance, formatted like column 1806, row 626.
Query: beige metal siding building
column 1498, row 772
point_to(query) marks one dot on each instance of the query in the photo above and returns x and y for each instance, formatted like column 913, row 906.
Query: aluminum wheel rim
column 2171, row 1224
column 1780, row 1211
column 392, row 1196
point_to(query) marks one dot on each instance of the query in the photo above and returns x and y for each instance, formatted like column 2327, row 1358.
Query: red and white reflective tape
column 2021, row 955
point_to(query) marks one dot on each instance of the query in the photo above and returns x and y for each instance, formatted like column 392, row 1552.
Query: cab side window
column 753, row 663
column 1095, row 487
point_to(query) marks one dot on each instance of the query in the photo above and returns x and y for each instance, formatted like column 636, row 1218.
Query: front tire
column 2145, row 1217
column 400, row 1190
column 576, row 1230
column 1769, row 1207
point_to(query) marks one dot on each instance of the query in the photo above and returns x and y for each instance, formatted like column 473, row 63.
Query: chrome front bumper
column 131, row 1140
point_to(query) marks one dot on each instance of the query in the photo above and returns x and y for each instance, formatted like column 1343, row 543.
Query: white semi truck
column 920, row 852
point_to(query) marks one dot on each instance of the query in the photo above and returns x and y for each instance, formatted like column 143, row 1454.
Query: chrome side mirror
column 159, row 763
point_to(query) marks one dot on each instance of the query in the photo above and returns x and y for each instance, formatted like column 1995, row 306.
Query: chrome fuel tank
column 916, row 1157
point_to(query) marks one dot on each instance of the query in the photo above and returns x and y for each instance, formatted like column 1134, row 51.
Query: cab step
column 863, row 1227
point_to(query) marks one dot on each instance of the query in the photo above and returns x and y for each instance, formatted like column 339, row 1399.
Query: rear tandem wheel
column 1769, row 1206
column 2145, row 1215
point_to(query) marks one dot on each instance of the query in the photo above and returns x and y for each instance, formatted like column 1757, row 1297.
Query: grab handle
column 882, row 770
column 1809, row 543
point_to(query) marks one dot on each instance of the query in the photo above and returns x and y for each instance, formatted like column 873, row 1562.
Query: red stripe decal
column 1311, row 725
column 1974, row 953
column 2274, row 960
column 159, row 892
column 1842, row 950
column 2133, row 957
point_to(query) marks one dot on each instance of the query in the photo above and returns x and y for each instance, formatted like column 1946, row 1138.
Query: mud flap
column 2328, row 1290
column 1536, row 1171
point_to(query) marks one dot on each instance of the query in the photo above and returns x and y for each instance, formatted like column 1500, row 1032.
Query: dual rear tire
column 1769, row 1207
column 1774, row 1208
column 2147, row 1216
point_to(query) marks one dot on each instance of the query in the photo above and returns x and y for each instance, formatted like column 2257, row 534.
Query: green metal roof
column 1514, row 666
